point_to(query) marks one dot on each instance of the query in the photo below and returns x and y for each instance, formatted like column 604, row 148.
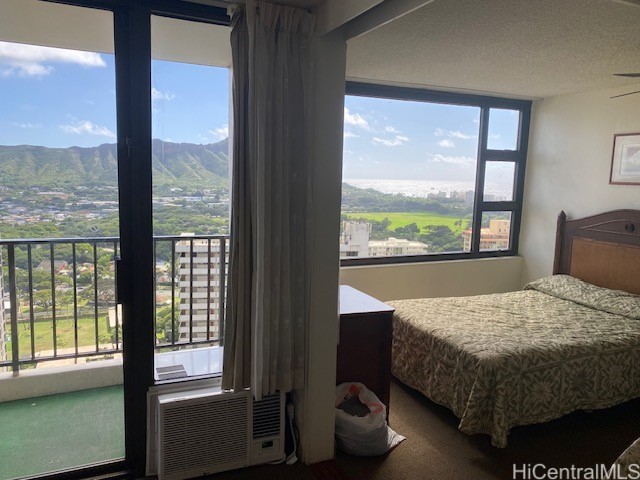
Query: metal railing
column 58, row 297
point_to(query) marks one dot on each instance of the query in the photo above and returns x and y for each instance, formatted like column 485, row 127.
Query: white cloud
column 355, row 119
column 85, row 127
column 463, row 136
column 397, row 140
column 446, row 143
column 391, row 129
column 494, row 136
column 22, row 60
column 461, row 160
column 349, row 134
column 220, row 133
column 158, row 95
column 27, row 125
column 441, row 132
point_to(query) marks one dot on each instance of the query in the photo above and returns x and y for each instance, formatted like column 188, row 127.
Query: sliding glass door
column 61, row 333
column 85, row 184
column 190, row 127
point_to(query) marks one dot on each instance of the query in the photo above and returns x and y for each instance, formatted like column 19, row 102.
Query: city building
column 396, row 246
column 354, row 239
column 200, row 286
column 354, row 242
column 3, row 329
column 496, row 237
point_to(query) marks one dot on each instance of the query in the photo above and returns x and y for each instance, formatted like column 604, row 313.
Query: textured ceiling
column 522, row 48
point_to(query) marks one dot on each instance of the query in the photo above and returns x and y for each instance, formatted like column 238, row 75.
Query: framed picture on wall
column 625, row 160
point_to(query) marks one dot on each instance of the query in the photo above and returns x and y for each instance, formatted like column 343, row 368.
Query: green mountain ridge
column 173, row 164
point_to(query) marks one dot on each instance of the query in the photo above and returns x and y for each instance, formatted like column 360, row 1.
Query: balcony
column 61, row 342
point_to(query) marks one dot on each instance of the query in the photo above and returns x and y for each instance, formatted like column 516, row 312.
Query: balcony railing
column 58, row 297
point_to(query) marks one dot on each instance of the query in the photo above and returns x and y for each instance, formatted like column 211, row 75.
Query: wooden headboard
column 602, row 249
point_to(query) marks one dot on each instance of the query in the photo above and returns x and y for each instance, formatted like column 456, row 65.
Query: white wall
column 568, row 167
column 50, row 381
column 451, row 278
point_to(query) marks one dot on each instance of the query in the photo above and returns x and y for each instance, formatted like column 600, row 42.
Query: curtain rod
column 231, row 4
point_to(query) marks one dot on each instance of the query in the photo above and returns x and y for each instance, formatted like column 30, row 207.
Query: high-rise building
column 3, row 329
column 354, row 239
column 200, row 289
column 496, row 237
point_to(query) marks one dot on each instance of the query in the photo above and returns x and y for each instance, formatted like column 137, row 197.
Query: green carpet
column 45, row 434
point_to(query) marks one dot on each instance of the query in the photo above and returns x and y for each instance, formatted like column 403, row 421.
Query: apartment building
column 354, row 239
column 396, row 246
column 496, row 237
column 200, row 287
column 3, row 329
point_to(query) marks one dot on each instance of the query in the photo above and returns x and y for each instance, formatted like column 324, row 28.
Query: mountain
column 174, row 164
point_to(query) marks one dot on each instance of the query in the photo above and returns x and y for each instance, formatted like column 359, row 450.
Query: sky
column 398, row 139
column 61, row 98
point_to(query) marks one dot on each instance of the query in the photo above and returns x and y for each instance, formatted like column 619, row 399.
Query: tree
column 410, row 232
column 441, row 238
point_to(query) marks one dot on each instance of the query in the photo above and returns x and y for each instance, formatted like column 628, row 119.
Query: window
column 430, row 175
column 190, row 128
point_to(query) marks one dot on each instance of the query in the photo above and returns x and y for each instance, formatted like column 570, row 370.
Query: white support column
column 315, row 411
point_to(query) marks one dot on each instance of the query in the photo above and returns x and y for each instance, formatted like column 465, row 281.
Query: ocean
column 422, row 188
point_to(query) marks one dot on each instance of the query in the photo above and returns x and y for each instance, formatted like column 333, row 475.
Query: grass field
column 64, row 334
column 401, row 219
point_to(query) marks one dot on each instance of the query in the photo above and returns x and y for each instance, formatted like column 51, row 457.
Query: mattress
column 503, row 360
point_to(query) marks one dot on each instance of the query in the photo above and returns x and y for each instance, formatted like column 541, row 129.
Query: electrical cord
column 292, row 457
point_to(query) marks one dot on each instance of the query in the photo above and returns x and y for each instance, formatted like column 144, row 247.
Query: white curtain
column 265, row 327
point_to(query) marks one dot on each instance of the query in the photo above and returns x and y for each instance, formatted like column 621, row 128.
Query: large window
column 430, row 175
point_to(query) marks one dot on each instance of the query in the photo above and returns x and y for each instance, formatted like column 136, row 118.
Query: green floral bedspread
column 503, row 360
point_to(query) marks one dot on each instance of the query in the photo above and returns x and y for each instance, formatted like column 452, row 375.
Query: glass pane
column 190, row 98
column 496, row 231
column 503, row 129
column 58, row 180
column 498, row 181
column 408, row 176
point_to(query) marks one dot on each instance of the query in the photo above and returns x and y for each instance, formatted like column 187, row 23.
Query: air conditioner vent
column 204, row 435
column 266, row 416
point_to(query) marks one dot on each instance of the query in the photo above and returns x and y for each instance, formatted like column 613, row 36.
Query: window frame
column 518, row 157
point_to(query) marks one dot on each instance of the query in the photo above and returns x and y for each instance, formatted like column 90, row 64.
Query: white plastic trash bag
column 362, row 433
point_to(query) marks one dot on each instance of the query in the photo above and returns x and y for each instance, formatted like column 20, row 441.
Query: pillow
column 575, row 290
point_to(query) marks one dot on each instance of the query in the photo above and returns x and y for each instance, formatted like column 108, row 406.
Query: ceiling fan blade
column 630, row 75
column 625, row 94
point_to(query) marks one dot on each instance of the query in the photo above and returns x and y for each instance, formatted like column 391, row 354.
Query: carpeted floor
column 44, row 434
column 435, row 449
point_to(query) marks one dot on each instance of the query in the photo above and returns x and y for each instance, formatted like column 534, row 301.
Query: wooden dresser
column 364, row 349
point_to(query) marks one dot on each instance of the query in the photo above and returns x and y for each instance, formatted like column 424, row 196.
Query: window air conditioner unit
column 204, row 431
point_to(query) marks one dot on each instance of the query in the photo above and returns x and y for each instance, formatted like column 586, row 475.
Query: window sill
column 441, row 257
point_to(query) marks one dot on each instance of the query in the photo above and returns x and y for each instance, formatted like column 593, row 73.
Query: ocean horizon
column 422, row 188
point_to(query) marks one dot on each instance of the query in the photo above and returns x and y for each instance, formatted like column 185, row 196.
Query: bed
column 565, row 343
column 628, row 464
